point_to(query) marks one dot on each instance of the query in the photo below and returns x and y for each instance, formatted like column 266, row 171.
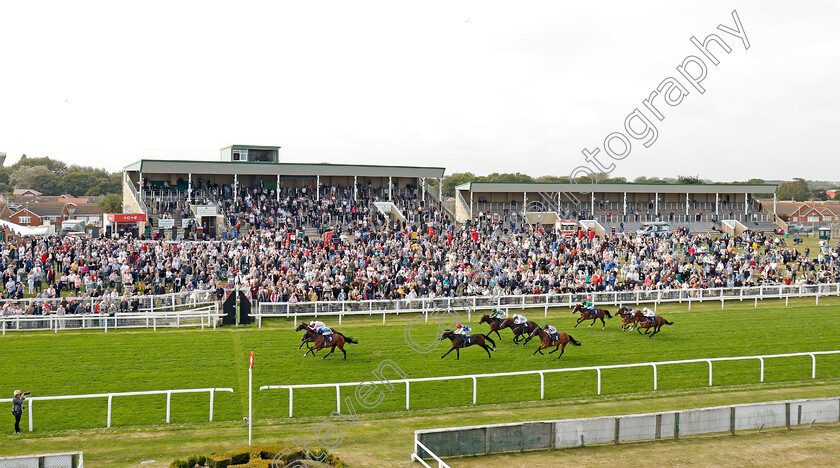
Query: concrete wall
column 500, row 438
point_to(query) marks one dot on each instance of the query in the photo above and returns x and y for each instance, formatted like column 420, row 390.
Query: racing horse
column 628, row 317
column 495, row 323
column 586, row 315
column 656, row 323
column 519, row 332
column 320, row 342
column 458, row 342
column 547, row 341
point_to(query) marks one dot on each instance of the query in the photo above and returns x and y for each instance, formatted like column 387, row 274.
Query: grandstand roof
column 506, row 187
column 158, row 166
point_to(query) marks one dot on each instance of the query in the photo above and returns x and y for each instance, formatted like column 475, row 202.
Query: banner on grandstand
column 166, row 223
column 125, row 218
column 186, row 222
column 205, row 210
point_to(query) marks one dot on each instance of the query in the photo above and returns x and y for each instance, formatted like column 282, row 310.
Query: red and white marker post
column 250, row 394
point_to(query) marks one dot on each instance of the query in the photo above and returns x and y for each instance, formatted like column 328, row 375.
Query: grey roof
column 158, row 166
column 518, row 187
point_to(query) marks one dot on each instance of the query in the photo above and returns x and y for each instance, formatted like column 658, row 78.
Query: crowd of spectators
column 364, row 254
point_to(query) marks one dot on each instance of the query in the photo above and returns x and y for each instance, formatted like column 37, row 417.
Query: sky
column 475, row 86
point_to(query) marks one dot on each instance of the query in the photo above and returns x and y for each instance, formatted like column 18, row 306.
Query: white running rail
column 542, row 372
column 110, row 397
column 540, row 301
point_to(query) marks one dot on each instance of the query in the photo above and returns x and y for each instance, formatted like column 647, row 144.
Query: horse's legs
column 343, row 351
column 450, row 350
column 655, row 330
column 562, row 349
column 332, row 348
column 556, row 347
column 457, row 353
column 311, row 350
column 486, row 349
column 497, row 334
column 603, row 323
column 578, row 323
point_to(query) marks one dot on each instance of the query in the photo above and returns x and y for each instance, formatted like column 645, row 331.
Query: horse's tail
column 490, row 340
column 668, row 323
column 574, row 341
column 350, row 340
column 608, row 313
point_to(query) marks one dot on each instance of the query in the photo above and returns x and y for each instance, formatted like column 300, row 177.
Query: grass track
column 93, row 362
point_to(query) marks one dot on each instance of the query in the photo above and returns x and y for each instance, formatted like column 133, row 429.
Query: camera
column 27, row 393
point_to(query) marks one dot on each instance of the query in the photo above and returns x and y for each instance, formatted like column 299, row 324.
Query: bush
column 258, row 456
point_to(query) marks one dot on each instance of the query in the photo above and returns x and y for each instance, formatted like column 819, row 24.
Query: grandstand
column 701, row 207
column 214, row 196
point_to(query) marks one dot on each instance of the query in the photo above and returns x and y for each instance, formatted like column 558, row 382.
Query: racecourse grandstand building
column 613, row 205
column 172, row 197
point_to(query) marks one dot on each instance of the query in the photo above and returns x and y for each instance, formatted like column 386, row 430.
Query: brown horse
column 320, row 342
column 458, row 342
column 655, row 324
column 546, row 341
column 586, row 315
column 494, row 322
column 519, row 331
column 628, row 317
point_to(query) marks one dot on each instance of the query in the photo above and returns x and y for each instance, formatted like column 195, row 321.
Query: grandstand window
column 240, row 155
column 813, row 219
column 25, row 220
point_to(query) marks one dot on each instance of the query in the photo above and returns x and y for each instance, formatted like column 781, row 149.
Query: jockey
column 552, row 332
column 463, row 331
column 520, row 321
column 649, row 314
column 589, row 306
column 318, row 326
column 499, row 314
column 627, row 310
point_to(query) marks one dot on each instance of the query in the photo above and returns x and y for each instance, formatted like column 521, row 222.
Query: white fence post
column 762, row 370
column 110, row 400
column 598, row 370
column 31, row 424
column 291, row 399
column 407, row 390
column 212, row 394
column 168, row 405
column 475, row 389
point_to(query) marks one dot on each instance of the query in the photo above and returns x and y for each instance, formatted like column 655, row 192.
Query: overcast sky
column 470, row 86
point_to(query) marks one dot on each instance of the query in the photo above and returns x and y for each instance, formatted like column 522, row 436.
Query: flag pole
column 250, row 395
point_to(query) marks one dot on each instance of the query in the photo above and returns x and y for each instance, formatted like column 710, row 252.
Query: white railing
column 542, row 372
column 110, row 397
column 151, row 303
column 544, row 301
column 206, row 316
column 415, row 457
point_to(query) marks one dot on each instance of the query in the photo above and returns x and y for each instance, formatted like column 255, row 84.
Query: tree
column 111, row 203
column 818, row 194
column 695, row 179
column 38, row 178
column 794, row 190
column 55, row 166
column 458, row 178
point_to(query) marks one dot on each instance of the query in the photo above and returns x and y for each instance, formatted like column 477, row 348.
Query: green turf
column 95, row 362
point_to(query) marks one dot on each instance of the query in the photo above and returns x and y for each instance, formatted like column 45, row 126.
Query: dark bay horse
column 654, row 324
column 320, row 342
column 586, row 315
column 519, row 332
column 495, row 324
column 628, row 317
column 546, row 341
column 458, row 342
